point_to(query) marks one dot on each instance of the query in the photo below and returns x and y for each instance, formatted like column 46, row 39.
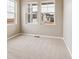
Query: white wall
column 13, row 29
column 68, row 23
column 53, row 30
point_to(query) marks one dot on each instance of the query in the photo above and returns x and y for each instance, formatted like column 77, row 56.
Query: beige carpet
column 29, row 47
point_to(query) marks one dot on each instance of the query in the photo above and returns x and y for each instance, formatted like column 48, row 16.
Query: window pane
column 47, row 12
column 50, row 9
column 44, row 8
column 10, row 16
column 34, row 7
column 28, row 8
column 28, row 18
column 11, row 9
column 34, row 17
column 32, row 13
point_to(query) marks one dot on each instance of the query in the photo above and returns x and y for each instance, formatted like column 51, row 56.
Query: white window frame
column 39, row 13
column 54, row 14
column 30, row 12
column 14, row 19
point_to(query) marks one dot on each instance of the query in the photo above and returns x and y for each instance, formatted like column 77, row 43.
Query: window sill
column 42, row 24
column 49, row 24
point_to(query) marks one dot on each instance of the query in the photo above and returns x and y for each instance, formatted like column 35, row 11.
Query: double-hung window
column 44, row 10
column 48, row 12
column 11, row 11
column 32, row 13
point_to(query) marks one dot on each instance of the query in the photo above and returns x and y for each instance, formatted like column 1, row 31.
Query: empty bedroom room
column 39, row 29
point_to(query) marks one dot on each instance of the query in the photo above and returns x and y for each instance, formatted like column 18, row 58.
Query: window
column 48, row 13
column 11, row 11
column 32, row 13
column 45, row 13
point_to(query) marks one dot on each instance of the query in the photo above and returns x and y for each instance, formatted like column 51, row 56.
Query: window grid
column 11, row 11
column 47, row 13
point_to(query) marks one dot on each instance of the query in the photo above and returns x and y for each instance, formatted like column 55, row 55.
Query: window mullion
column 39, row 13
column 31, row 12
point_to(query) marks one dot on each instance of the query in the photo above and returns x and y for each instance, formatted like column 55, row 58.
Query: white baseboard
column 45, row 36
column 68, row 48
column 14, row 35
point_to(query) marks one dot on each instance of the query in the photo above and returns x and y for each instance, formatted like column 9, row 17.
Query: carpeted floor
column 29, row 47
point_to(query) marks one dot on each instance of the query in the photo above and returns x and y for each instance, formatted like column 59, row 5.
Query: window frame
column 31, row 12
column 14, row 19
column 39, row 20
column 46, row 2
